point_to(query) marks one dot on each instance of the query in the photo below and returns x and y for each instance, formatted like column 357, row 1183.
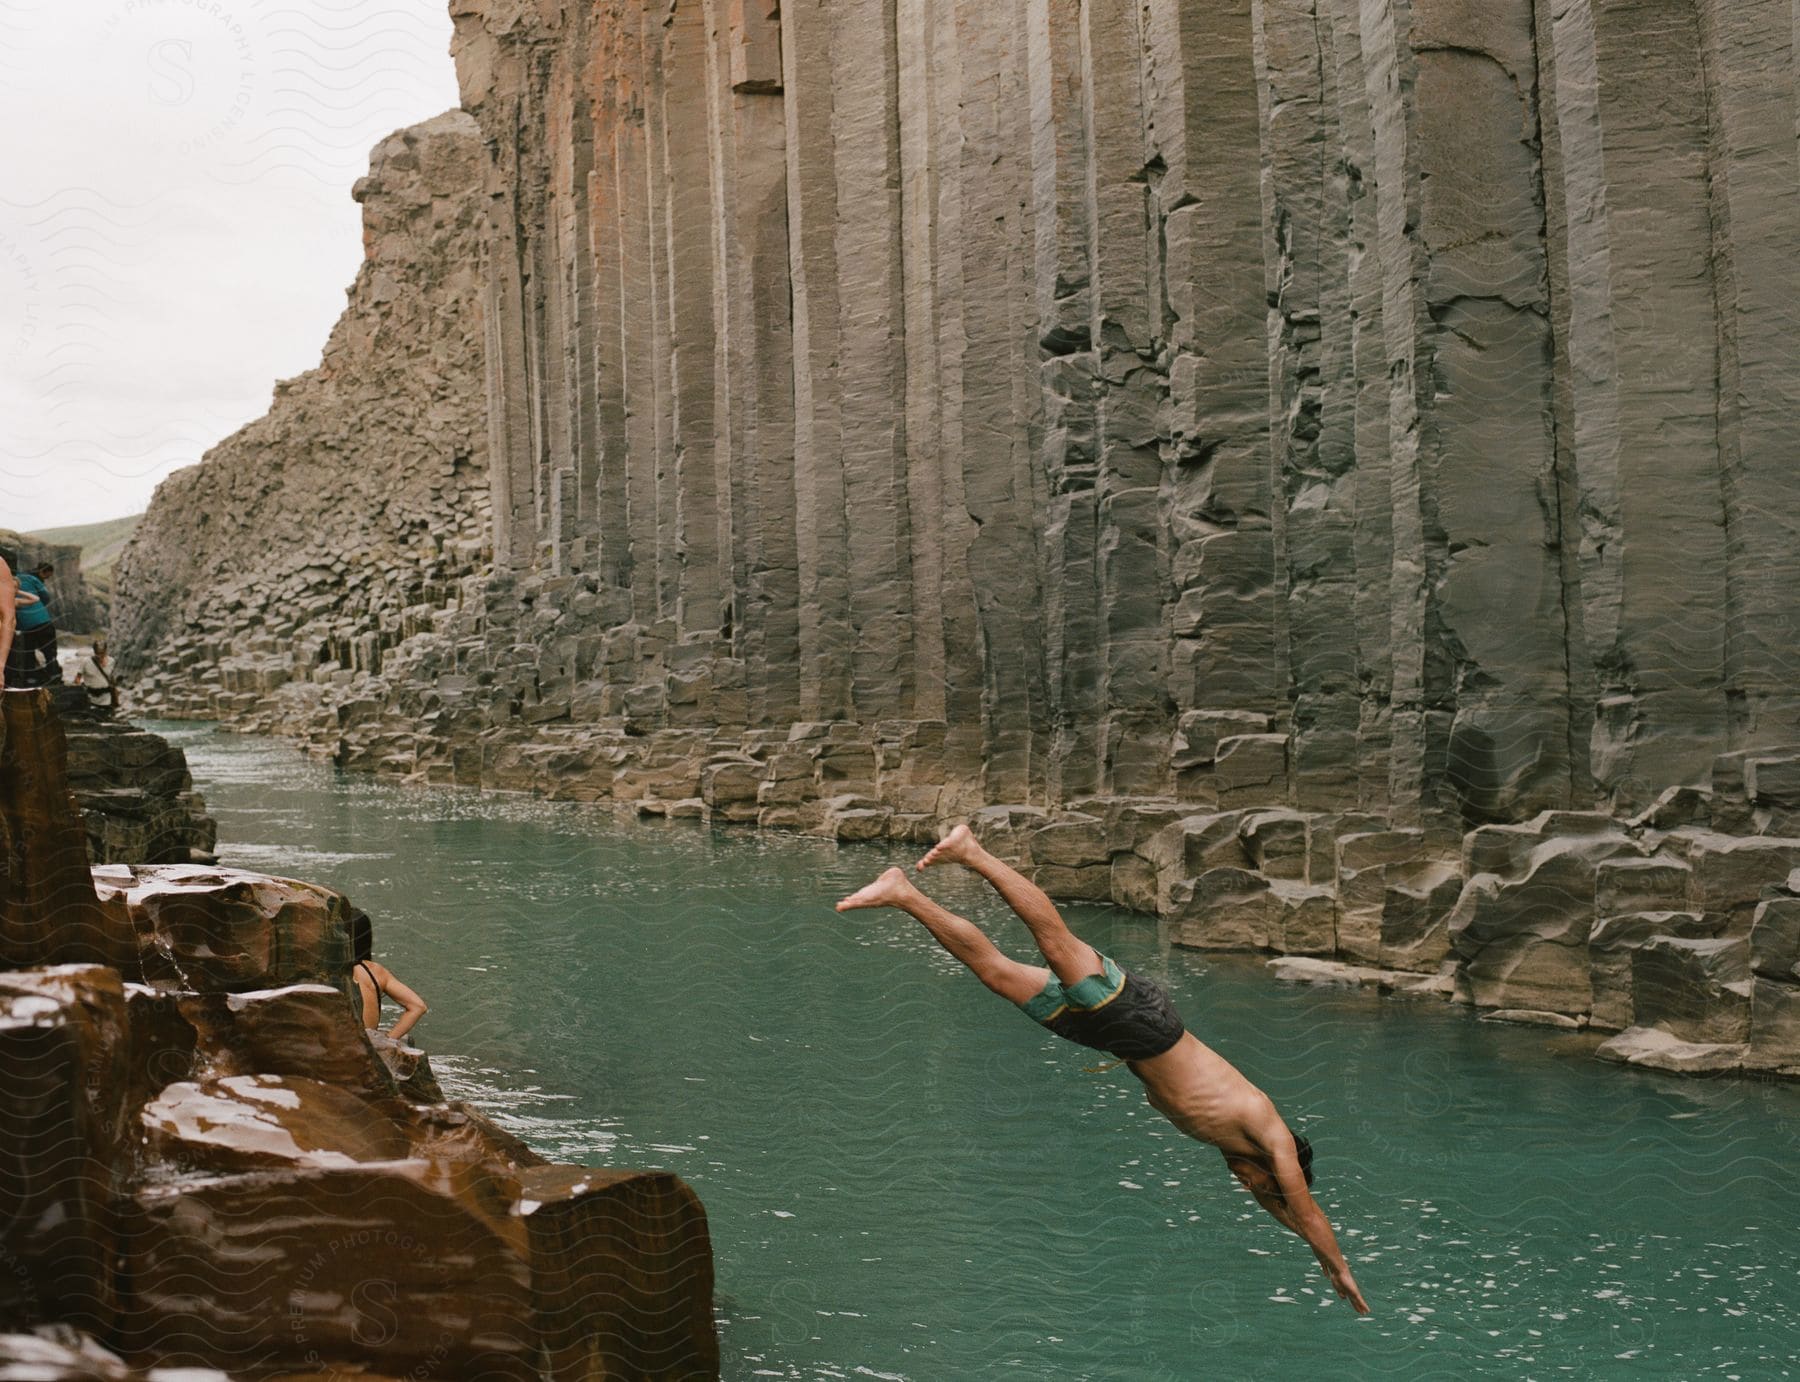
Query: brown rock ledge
column 210, row 1166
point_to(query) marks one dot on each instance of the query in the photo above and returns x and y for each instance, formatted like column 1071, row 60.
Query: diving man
column 1086, row 998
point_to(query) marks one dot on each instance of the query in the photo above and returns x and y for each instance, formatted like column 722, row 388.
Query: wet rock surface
column 209, row 1165
column 49, row 913
column 59, row 1353
column 136, row 795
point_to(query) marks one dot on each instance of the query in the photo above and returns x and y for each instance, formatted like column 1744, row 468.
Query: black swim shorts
column 1113, row 1011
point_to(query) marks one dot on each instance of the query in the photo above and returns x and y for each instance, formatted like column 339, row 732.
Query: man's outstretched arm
column 1299, row 1211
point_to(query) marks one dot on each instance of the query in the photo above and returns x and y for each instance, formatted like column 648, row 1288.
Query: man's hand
column 1345, row 1285
column 1300, row 1212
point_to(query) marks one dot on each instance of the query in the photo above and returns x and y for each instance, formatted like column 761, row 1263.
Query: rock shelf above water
column 209, row 1165
column 135, row 793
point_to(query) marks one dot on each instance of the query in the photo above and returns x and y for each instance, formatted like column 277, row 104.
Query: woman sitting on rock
column 374, row 979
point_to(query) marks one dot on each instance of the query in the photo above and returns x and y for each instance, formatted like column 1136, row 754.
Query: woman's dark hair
column 1303, row 1150
column 362, row 936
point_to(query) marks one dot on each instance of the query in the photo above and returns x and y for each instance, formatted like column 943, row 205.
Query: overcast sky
column 176, row 229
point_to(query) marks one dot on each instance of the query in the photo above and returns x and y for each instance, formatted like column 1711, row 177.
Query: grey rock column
column 1749, row 60
column 509, row 413
column 691, row 531
column 1067, row 449
column 577, row 271
column 827, row 634
column 757, row 418
column 998, row 393
column 1389, row 78
column 1216, row 489
column 1125, row 324
column 658, row 213
column 1644, row 353
column 871, row 352
column 1371, row 481
column 1480, row 729
column 605, row 193
column 637, row 337
column 1489, row 422
column 917, row 115
column 1305, row 220
column 1558, row 237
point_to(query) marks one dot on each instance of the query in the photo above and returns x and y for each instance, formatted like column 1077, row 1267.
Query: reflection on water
column 905, row 1179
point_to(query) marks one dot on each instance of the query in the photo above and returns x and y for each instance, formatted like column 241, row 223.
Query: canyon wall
column 318, row 536
column 1084, row 380
column 1313, row 469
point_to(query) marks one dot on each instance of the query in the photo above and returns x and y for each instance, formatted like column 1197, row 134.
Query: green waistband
column 1087, row 994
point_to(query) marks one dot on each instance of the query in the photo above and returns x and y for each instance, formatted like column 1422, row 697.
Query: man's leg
column 1015, row 982
column 1072, row 958
column 42, row 641
column 28, row 649
column 21, row 667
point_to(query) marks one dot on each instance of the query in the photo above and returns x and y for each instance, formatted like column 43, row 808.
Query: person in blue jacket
column 35, row 635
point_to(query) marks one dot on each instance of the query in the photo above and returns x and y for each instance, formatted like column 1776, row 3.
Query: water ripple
column 906, row 1180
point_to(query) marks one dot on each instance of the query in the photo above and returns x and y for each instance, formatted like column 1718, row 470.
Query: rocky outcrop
column 209, row 1166
column 311, row 542
column 136, row 795
column 1346, row 430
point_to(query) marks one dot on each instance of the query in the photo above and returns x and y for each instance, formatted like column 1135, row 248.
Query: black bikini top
column 363, row 966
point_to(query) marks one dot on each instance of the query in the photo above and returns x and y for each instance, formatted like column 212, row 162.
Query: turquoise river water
column 906, row 1179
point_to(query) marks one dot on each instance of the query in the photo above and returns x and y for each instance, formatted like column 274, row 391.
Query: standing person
column 8, row 618
column 36, row 631
column 94, row 676
column 374, row 979
column 1084, row 997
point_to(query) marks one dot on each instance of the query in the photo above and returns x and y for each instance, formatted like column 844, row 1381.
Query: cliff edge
column 321, row 534
column 208, row 1165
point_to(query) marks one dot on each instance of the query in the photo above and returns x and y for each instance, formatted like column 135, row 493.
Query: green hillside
column 100, row 543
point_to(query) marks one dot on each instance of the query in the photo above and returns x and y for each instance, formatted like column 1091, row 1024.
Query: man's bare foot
column 890, row 890
column 958, row 847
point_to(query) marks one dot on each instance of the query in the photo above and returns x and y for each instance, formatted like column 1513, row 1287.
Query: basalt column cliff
column 319, row 536
column 1318, row 471
column 1087, row 380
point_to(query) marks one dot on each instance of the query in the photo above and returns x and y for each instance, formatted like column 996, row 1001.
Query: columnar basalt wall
column 314, row 541
column 1248, row 452
column 1068, row 376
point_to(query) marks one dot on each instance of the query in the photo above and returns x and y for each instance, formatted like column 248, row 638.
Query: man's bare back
column 1191, row 1085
